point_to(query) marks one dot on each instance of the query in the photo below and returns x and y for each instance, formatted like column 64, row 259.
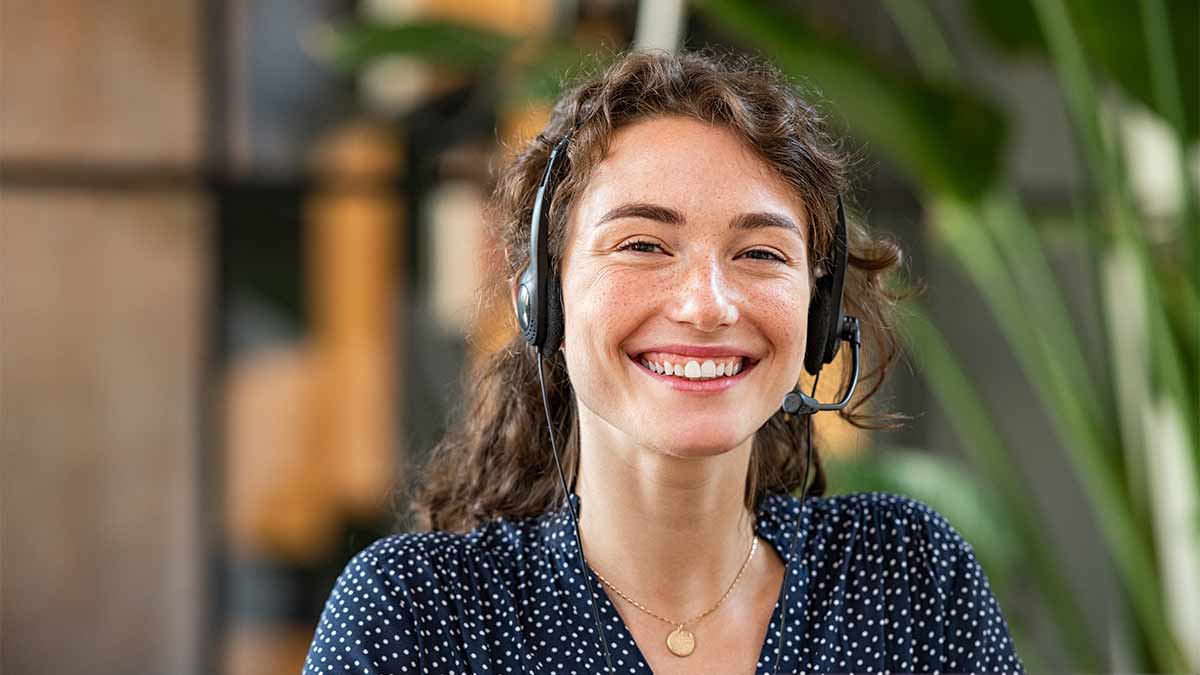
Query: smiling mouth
column 693, row 369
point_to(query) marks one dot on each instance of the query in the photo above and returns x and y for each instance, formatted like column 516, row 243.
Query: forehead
column 703, row 170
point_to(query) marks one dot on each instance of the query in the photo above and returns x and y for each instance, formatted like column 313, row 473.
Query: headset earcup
column 825, row 311
column 554, row 316
column 524, row 301
column 819, row 317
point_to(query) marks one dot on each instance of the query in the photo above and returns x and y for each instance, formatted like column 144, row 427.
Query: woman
column 693, row 212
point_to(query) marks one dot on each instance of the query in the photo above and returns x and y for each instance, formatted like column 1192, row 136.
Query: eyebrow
column 664, row 214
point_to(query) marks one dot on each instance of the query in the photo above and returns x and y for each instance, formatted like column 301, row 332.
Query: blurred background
column 243, row 264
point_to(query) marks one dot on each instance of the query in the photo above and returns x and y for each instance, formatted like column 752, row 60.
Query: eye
column 770, row 255
column 638, row 246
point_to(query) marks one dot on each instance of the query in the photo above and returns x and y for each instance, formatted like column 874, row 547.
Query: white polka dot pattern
column 883, row 584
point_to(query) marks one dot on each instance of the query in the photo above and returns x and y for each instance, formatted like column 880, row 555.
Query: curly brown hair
column 497, row 462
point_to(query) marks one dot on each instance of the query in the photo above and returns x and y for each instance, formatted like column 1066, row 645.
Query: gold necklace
column 680, row 641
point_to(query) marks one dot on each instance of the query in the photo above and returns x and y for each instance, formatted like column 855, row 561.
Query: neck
column 670, row 531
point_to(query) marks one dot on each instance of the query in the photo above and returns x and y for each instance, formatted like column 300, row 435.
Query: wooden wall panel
column 118, row 80
column 103, row 301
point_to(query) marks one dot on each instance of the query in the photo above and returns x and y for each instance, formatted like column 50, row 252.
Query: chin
column 702, row 441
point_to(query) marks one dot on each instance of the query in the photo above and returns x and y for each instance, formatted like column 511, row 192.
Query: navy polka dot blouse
column 882, row 583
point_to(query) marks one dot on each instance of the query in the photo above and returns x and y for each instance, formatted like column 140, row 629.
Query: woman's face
column 684, row 249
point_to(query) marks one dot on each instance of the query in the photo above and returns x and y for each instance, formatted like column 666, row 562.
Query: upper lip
column 706, row 351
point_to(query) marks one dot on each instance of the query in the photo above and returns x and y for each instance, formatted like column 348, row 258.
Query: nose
column 704, row 298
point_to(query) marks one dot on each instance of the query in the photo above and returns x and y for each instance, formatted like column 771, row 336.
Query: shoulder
column 901, row 544
column 866, row 529
column 420, row 559
column 886, row 516
column 867, row 505
column 401, row 595
column 409, row 554
column 399, row 571
column 895, row 527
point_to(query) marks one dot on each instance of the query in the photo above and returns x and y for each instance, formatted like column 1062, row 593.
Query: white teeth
column 695, row 370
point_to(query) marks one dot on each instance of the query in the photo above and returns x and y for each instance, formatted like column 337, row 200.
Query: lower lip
column 696, row 386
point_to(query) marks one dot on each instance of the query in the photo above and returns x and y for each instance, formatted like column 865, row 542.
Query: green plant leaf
column 555, row 65
column 446, row 43
column 1114, row 38
column 982, row 443
column 946, row 137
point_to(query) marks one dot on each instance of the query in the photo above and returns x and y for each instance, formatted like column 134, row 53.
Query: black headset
column 540, row 315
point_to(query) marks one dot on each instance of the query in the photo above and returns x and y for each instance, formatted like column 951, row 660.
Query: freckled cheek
column 603, row 314
column 782, row 315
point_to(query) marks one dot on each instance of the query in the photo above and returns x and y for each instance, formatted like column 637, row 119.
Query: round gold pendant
column 681, row 642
